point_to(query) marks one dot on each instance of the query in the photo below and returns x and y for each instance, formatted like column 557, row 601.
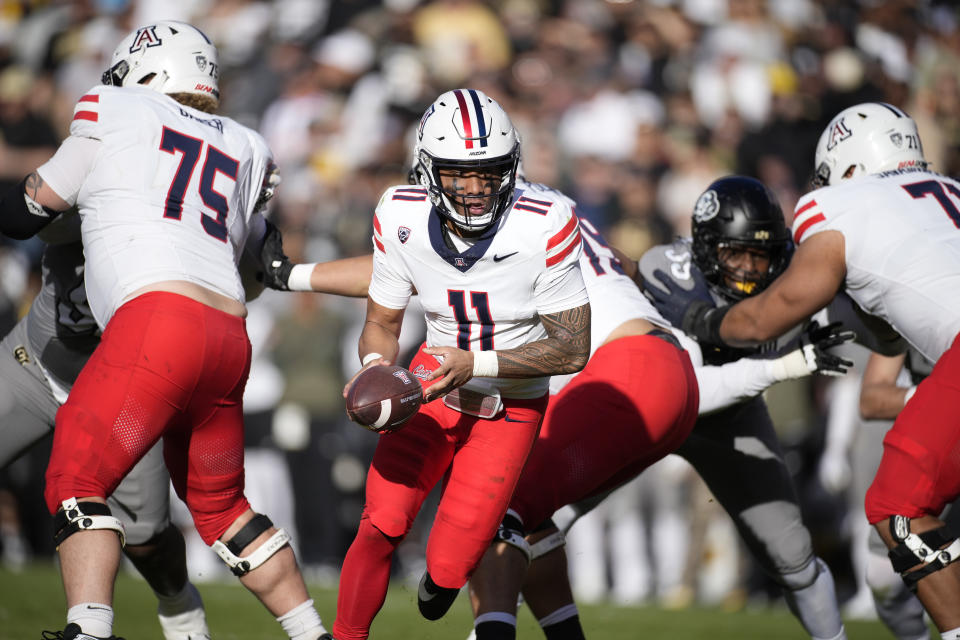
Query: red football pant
column 166, row 366
column 919, row 473
column 634, row 402
column 478, row 460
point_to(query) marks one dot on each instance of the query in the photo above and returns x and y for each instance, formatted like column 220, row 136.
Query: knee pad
column 919, row 554
column 511, row 532
column 547, row 544
column 76, row 516
column 229, row 552
column 801, row 579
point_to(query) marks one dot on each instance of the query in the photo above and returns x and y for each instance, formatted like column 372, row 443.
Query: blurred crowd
column 632, row 108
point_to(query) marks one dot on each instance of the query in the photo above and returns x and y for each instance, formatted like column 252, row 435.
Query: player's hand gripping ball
column 383, row 398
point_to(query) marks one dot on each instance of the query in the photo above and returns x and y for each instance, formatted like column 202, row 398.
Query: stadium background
column 631, row 108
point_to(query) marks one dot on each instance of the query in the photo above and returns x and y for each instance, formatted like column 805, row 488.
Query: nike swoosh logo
column 507, row 418
column 497, row 258
column 95, row 608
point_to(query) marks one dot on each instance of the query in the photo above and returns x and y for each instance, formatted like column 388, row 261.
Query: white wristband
column 789, row 367
column 485, row 364
column 370, row 357
column 909, row 394
column 299, row 279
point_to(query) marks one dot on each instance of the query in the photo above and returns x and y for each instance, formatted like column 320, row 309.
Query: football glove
column 276, row 266
column 809, row 353
column 681, row 306
column 271, row 180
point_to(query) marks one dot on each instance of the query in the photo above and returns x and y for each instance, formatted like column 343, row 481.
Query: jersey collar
column 460, row 261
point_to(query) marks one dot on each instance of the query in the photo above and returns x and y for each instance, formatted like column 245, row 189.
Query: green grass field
column 32, row 600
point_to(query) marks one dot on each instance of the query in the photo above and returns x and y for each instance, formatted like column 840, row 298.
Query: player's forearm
column 345, row 277
column 725, row 385
column 565, row 350
column 881, row 401
column 378, row 339
column 28, row 207
column 757, row 320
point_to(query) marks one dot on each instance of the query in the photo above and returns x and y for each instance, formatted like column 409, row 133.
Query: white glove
column 812, row 355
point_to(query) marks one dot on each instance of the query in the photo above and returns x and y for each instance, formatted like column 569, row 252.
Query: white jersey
column 901, row 231
column 491, row 295
column 614, row 297
column 165, row 192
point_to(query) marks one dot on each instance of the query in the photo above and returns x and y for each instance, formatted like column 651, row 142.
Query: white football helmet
column 867, row 138
column 466, row 130
column 169, row 57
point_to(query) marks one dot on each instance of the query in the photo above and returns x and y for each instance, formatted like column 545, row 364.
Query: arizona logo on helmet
column 838, row 133
column 423, row 119
column 146, row 37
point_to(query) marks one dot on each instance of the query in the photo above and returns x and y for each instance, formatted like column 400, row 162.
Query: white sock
column 187, row 600
column 561, row 614
column 496, row 616
column 953, row 634
column 94, row 618
column 302, row 622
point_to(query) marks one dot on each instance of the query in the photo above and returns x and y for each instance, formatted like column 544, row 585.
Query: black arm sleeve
column 20, row 220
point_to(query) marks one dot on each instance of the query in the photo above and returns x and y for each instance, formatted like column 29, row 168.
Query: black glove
column 815, row 342
column 274, row 262
column 686, row 309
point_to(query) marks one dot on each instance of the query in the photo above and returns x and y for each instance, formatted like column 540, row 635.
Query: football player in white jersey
column 497, row 272
column 39, row 360
column 167, row 194
column 751, row 481
column 887, row 231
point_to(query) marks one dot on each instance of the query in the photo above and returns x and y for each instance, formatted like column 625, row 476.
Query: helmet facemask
column 744, row 270
column 472, row 194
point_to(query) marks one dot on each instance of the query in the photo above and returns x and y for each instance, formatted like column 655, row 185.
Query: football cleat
column 434, row 601
column 72, row 632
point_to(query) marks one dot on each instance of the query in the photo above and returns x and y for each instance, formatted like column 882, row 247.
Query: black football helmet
column 739, row 213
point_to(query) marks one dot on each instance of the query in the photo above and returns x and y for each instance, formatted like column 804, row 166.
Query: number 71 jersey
column 901, row 232
column 169, row 194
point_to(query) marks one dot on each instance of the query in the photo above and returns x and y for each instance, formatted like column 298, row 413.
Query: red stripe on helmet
column 465, row 115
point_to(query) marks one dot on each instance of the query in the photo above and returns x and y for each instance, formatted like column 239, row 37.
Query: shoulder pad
column 674, row 260
column 87, row 114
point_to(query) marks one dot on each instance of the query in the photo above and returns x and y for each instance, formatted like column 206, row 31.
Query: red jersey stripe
column 564, row 233
column 90, row 97
column 799, row 212
column 809, row 222
column 379, row 245
column 563, row 254
column 86, row 115
column 376, row 224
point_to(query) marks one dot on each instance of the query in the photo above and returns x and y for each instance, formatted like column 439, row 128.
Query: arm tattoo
column 32, row 185
column 564, row 350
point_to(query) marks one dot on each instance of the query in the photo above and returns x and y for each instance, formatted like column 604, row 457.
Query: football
column 383, row 398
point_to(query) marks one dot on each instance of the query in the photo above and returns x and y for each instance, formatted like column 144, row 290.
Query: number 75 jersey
column 164, row 191
column 901, row 232
column 492, row 294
